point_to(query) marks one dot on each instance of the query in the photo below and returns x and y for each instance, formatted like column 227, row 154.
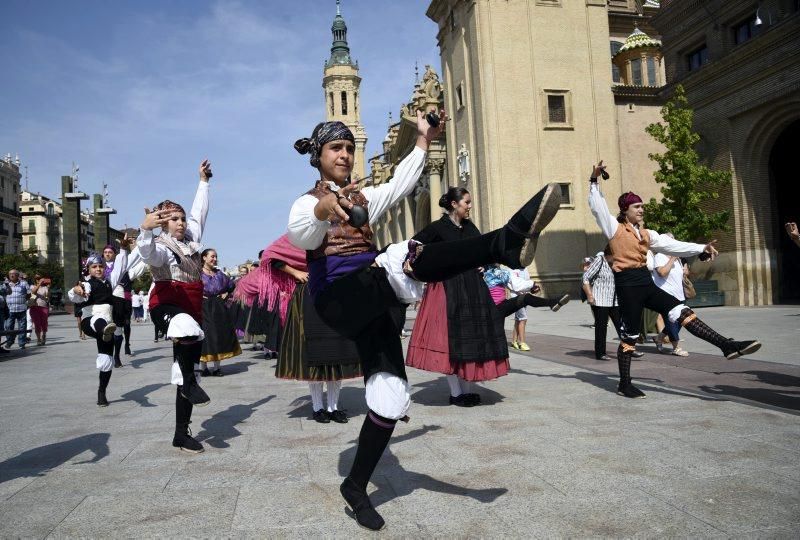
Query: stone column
column 435, row 168
column 101, row 232
column 71, row 228
column 408, row 219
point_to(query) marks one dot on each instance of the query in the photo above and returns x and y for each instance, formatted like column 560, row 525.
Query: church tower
column 341, row 83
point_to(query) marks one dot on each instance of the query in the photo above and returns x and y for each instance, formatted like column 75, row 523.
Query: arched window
column 615, row 75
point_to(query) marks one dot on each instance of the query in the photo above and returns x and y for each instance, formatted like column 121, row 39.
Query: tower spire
column 340, row 51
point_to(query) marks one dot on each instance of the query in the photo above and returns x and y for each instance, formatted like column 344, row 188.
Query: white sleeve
column 120, row 266
column 661, row 243
column 196, row 220
column 77, row 298
column 384, row 196
column 605, row 219
column 305, row 231
column 150, row 252
column 136, row 265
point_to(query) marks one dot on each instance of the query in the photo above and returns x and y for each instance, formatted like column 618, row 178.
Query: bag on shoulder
column 688, row 287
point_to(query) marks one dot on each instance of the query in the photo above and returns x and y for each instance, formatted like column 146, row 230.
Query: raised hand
column 597, row 170
column 427, row 131
column 711, row 250
column 205, row 171
column 157, row 218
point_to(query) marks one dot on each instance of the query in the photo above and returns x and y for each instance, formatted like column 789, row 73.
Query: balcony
column 9, row 211
column 5, row 232
column 18, row 236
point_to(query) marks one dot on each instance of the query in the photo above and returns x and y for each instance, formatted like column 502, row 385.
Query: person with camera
column 362, row 294
column 40, row 307
column 176, row 298
column 630, row 241
column 95, row 294
column 17, row 302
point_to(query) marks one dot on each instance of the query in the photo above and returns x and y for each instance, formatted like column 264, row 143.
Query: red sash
column 187, row 296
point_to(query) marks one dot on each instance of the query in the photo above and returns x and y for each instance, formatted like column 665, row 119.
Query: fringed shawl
column 268, row 285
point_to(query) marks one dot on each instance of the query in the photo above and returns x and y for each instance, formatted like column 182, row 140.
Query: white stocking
column 333, row 395
column 455, row 387
column 315, row 388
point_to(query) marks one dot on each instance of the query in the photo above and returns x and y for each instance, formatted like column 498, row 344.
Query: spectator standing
column 40, row 310
column 598, row 285
column 17, row 301
column 136, row 304
column 668, row 272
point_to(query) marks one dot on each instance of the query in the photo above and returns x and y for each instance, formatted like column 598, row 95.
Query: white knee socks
column 315, row 388
column 333, row 395
column 455, row 387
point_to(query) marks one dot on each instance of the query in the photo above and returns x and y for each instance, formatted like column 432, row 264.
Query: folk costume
column 459, row 330
column 97, row 316
column 176, row 307
column 220, row 342
column 636, row 290
column 362, row 294
column 309, row 350
column 122, row 301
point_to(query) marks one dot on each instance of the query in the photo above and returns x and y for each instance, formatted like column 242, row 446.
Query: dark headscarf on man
column 325, row 132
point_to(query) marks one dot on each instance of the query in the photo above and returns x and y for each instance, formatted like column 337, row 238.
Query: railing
column 18, row 235
column 5, row 232
column 9, row 211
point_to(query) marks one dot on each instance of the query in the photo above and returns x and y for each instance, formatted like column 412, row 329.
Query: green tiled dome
column 637, row 40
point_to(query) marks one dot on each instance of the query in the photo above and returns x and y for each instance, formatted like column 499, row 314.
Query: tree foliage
column 687, row 183
column 142, row 283
column 27, row 262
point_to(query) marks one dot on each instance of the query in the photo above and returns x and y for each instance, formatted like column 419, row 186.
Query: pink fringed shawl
column 266, row 284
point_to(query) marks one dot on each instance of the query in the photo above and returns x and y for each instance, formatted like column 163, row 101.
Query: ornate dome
column 638, row 39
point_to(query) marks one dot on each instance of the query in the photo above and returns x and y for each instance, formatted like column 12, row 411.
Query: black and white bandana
column 325, row 132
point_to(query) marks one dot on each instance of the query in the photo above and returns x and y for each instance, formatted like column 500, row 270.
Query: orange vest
column 342, row 238
column 627, row 250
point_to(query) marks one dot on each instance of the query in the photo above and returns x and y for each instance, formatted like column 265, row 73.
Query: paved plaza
column 553, row 452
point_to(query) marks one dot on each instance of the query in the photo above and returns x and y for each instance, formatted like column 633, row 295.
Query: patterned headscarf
column 325, row 132
column 93, row 258
column 627, row 199
column 169, row 206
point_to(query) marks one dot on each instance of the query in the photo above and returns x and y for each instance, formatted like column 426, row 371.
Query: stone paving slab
column 554, row 452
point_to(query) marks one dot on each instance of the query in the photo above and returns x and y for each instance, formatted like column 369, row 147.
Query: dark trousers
column 601, row 316
column 103, row 347
column 633, row 299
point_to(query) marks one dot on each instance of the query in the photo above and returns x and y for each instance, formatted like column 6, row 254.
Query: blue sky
column 139, row 92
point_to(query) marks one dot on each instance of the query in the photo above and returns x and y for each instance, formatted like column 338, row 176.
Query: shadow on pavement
column 404, row 482
column 351, row 401
column 786, row 399
column 436, row 393
column 37, row 461
column 140, row 394
column 138, row 362
column 221, row 427
column 238, row 367
column 610, row 383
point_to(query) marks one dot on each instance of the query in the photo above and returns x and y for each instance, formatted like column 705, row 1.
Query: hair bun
column 303, row 146
column 443, row 202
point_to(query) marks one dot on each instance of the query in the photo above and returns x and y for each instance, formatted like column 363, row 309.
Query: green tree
column 687, row 183
column 142, row 283
column 27, row 262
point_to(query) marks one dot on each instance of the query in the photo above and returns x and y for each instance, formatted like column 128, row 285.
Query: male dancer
column 629, row 241
column 360, row 293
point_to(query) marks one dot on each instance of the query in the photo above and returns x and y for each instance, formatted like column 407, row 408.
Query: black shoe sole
column 620, row 393
column 564, row 300
column 189, row 450
column 548, row 208
column 750, row 349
